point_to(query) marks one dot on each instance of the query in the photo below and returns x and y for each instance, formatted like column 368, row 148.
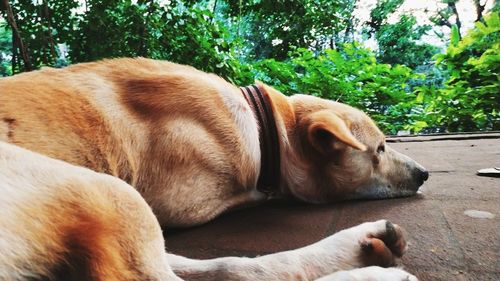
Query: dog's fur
column 188, row 142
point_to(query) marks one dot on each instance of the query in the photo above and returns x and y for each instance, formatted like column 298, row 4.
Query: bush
column 470, row 99
column 5, row 45
column 350, row 75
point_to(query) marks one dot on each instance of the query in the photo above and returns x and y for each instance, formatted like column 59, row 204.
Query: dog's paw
column 373, row 243
column 382, row 247
column 371, row 273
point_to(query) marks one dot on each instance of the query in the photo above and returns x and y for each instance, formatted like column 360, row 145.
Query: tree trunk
column 479, row 10
column 453, row 6
column 14, row 55
column 17, row 40
column 213, row 12
column 51, row 42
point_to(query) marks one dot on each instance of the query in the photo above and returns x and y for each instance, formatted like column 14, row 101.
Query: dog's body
column 189, row 143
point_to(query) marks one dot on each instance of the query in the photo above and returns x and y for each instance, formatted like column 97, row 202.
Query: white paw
column 371, row 273
column 373, row 243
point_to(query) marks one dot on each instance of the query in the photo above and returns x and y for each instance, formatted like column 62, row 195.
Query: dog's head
column 337, row 152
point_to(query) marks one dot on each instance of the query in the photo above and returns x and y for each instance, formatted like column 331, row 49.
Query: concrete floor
column 445, row 244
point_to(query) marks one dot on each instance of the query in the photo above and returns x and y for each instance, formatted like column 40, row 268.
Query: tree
column 274, row 28
column 18, row 44
column 448, row 15
column 379, row 14
column 445, row 15
column 398, row 43
column 40, row 25
column 181, row 31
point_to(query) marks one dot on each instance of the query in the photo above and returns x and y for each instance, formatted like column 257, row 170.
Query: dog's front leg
column 373, row 243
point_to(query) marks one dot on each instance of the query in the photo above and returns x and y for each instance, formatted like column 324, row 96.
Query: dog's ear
column 328, row 131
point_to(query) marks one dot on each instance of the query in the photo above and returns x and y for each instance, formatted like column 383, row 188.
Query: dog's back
column 48, row 111
column 142, row 121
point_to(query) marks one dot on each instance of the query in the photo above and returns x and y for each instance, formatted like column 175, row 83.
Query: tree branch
column 479, row 10
column 18, row 41
column 14, row 55
column 214, row 9
column 443, row 20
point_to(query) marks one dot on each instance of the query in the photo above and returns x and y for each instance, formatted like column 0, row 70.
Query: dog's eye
column 381, row 149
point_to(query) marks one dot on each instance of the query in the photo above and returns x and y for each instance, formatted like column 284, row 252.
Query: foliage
column 398, row 43
column 43, row 24
column 118, row 28
column 295, row 45
column 470, row 99
column 5, row 50
column 172, row 32
column 381, row 12
column 275, row 27
column 350, row 75
column 447, row 15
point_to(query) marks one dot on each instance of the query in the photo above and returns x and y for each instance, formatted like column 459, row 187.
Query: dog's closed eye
column 381, row 149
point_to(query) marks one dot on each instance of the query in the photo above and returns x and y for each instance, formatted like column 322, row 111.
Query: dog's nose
column 424, row 175
column 420, row 175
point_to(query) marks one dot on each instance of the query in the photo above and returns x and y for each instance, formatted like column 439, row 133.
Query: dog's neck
column 270, row 174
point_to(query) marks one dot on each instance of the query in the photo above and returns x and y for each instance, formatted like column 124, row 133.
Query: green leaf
column 455, row 35
column 420, row 97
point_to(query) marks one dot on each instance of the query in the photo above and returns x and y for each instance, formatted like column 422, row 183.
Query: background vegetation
column 306, row 46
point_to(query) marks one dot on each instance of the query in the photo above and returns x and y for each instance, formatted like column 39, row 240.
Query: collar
column 269, row 176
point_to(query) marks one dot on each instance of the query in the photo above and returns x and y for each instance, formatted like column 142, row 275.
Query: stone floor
column 445, row 244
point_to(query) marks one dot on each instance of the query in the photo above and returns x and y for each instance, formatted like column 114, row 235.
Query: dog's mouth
column 382, row 193
column 381, row 190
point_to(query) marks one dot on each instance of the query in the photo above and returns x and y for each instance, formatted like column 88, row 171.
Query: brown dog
column 193, row 146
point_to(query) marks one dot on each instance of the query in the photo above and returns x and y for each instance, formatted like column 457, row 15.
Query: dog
column 96, row 156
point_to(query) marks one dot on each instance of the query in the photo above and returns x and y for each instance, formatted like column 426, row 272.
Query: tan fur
column 186, row 140
column 77, row 225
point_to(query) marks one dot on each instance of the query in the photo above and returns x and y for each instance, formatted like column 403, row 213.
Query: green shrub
column 470, row 99
column 5, row 45
column 350, row 75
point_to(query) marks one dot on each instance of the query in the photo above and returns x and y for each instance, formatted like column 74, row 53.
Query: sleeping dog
column 96, row 156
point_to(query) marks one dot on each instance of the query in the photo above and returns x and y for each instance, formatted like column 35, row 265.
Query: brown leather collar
column 269, row 176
